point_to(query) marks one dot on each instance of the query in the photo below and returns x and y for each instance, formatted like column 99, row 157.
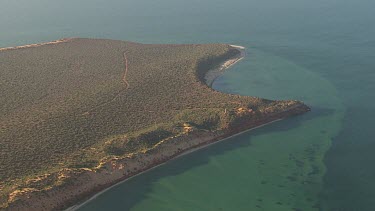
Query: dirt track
column 118, row 94
column 126, row 71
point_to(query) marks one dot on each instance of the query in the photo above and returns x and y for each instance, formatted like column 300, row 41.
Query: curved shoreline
column 90, row 183
column 214, row 73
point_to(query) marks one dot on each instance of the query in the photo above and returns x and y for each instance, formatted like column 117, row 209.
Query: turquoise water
column 321, row 52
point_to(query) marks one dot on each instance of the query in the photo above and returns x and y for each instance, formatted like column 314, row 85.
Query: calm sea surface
column 321, row 52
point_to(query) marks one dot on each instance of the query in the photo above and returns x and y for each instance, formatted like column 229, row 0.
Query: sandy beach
column 213, row 74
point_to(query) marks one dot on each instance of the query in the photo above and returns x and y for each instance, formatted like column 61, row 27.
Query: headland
column 114, row 110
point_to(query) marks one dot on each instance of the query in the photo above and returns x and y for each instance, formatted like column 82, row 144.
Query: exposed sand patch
column 36, row 45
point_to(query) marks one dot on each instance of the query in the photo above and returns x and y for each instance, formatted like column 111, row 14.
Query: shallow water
column 321, row 52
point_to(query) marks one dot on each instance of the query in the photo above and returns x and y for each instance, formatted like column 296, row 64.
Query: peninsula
column 80, row 115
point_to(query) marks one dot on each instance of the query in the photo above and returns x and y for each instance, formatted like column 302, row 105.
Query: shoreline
column 217, row 72
column 37, row 44
column 214, row 73
column 189, row 151
column 84, row 185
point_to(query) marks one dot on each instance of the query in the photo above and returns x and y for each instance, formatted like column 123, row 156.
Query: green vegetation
column 66, row 105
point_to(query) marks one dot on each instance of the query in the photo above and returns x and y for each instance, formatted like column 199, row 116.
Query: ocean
column 320, row 52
